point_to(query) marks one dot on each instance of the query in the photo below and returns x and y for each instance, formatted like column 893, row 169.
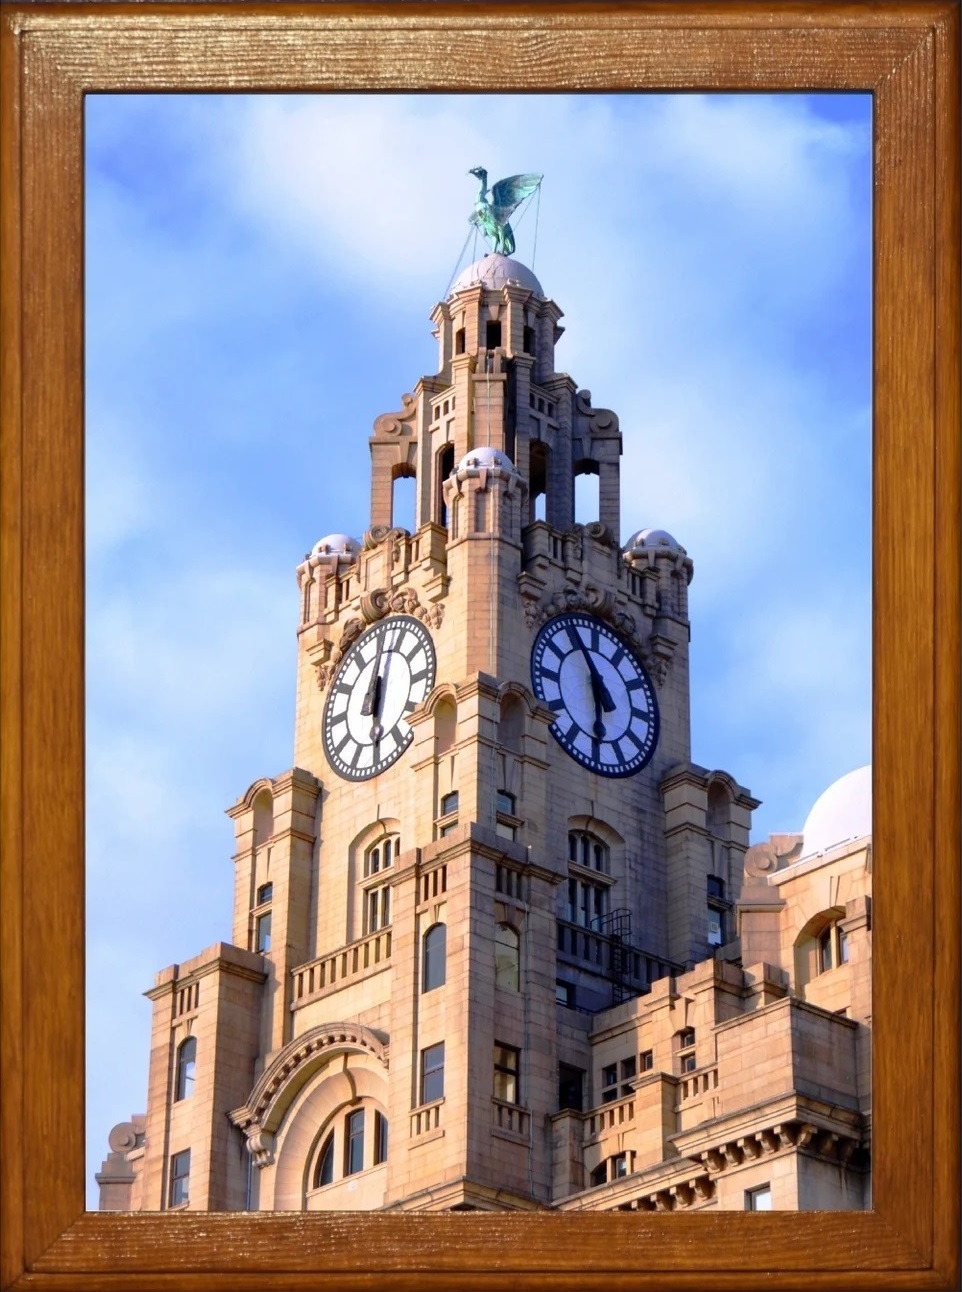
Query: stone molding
column 375, row 605
column 273, row 1092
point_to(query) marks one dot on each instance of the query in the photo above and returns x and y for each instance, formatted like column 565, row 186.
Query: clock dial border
column 576, row 740
column 360, row 657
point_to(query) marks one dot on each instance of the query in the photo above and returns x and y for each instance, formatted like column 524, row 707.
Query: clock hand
column 599, row 690
column 372, row 698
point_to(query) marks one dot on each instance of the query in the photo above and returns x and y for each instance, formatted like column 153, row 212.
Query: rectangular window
column 627, row 1068
column 262, row 932
column 825, row 960
column 564, row 993
column 493, row 333
column 377, row 908
column 354, row 1142
column 506, row 1066
column 571, row 1084
column 716, row 887
column 448, row 829
column 647, row 1060
column 619, row 1165
column 265, row 893
column 505, row 802
column 759, row 1199
column 180, row 1178
column 688, row 1063
column 504, row 831
column 449, row 803
column 432, row 1073
column 842, row 947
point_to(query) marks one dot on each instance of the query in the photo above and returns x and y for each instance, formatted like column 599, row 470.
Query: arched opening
column 434, row 956
column 186, row 1064
column 445, row 465
column 511, row 723
column 445, row 724
column 587, row 496
column 822, row 945
column 403, row 501
column 507, row 958
column 719, row 810
column 263, row 817
column 538, row 481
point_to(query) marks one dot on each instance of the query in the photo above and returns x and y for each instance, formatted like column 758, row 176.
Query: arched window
column 588, row 850
column 507, row 958
column 381, row 855
column 434, row 957
column 324, row 1170
column 186, row 1061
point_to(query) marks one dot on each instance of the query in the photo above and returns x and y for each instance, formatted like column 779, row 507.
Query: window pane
column 186, row 1060
column 354, row 1151
column 265, row 893
column 263, row 932
column 507, row 958
column 759, row 1199
column 435, row 947
column 505, row 802
column 180, row 1178
column 609, row 1075
column 432, row 1073
column 449, row 803
column 842, row 947
column 380, row 1138
column 506, row 1063
column 325, row 1164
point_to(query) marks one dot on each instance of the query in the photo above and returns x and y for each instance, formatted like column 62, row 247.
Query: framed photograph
column 906, row 56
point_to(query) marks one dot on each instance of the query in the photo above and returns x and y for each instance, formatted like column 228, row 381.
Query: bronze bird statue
column 491, row 212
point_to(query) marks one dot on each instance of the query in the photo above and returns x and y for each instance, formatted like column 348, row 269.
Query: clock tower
column 484, row 945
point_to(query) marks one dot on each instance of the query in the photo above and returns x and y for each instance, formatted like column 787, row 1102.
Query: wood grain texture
column 908, row 55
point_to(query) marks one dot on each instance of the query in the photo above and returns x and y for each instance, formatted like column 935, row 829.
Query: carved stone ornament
column 396, row 423
column 374, row 606
column 260, row 1145
column 601, row 420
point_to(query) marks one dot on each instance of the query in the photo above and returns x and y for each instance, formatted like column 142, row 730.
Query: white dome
column 485, row 457
column 494, row 271
column 843, row 812
column 653, row 538
column 336, row 545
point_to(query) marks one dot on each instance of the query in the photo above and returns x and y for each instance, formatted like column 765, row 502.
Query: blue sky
column 260, row 274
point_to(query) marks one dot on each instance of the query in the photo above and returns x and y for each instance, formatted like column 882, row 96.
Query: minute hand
column 598, row 687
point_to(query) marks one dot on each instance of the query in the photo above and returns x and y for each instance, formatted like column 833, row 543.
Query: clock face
column 384, row 675
column 604, row 702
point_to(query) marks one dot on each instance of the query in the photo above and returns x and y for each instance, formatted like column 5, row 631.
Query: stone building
column 498, row 943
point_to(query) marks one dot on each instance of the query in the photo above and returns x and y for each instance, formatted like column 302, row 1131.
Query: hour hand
column 371, row 704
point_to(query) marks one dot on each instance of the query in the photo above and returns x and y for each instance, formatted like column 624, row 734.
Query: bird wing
column 509, row 193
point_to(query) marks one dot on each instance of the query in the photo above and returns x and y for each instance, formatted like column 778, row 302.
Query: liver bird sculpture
column 491, row 212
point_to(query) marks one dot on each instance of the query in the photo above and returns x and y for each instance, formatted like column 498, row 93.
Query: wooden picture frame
column 907, row 55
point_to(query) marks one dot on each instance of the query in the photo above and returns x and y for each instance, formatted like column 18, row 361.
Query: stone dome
column 653, row 538
column 487, row 458
column 336, row 545
column 493, row 271
column 841, row 813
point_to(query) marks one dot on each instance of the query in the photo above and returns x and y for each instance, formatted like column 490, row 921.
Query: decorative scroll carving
column 601, row 420
column 772, row 854
column 396, row 423
column 374, row 606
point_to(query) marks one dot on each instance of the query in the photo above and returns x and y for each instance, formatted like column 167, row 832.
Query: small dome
column 486, row 457
column 494, row 271
column 336, row 545
column 841, row 813
column 653, row 538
